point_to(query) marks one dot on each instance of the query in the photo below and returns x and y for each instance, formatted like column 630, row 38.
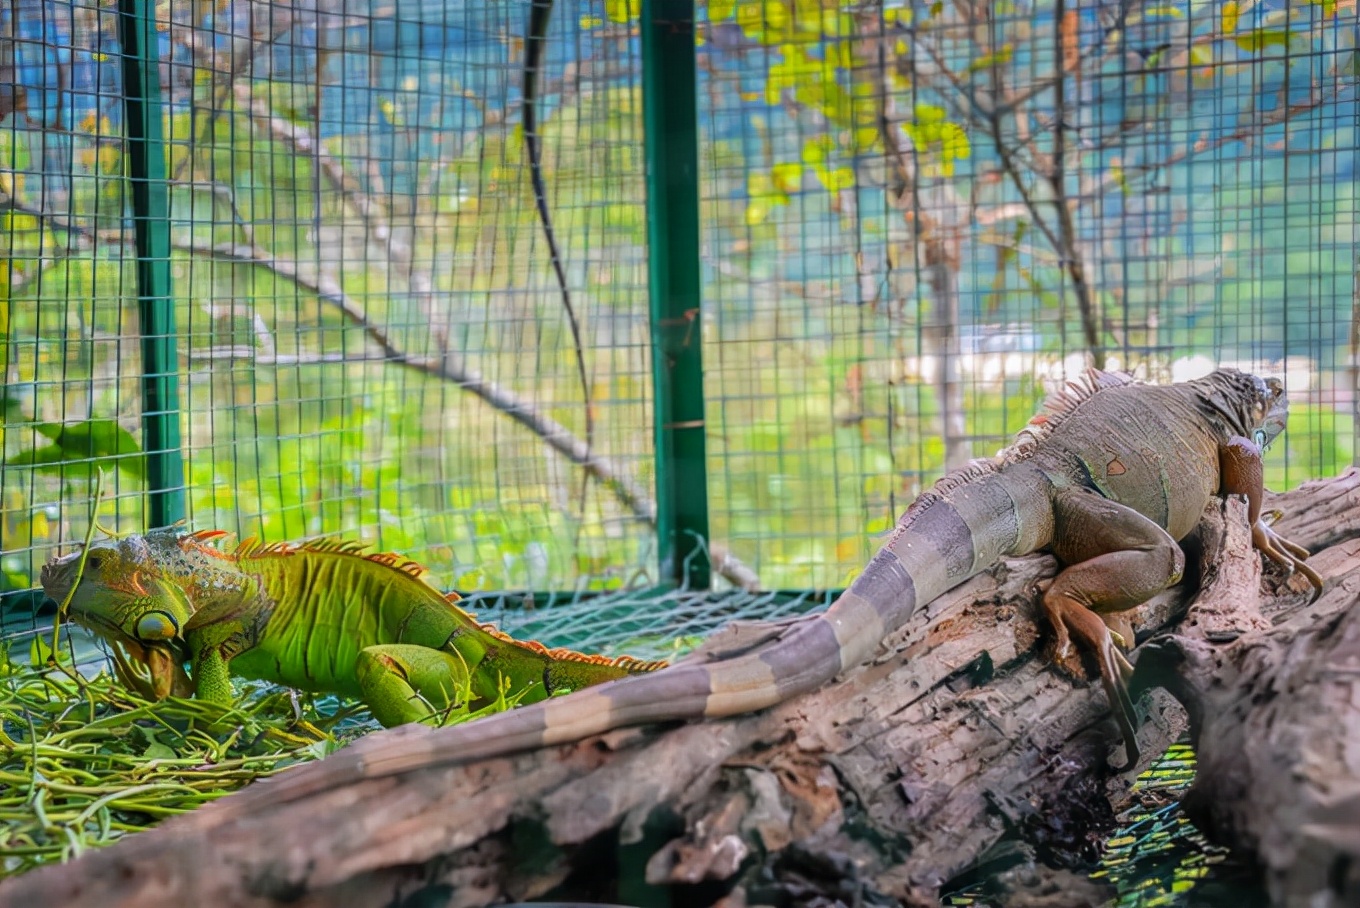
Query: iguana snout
column 121, row 601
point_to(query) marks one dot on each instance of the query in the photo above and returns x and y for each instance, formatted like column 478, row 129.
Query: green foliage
column 937, row 139
column 84, row 761
column 77, row 448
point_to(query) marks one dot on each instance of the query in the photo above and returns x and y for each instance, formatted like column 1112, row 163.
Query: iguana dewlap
column 321, row 616
column 1108, row 477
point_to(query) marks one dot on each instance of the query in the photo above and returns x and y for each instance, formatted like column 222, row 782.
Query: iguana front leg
column 404, row 682
column 1115, row 560
column 1243, row 474
column 211, row 649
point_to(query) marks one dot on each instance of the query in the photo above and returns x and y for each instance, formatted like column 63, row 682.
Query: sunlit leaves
column 813, row 79
column 1228, row 17
column 771, row 22
column 1257, row 39
column 939, row 139
column 818, row 156
column 787, row 177
column 999, row 57
column 763, row 194
column 622, row 11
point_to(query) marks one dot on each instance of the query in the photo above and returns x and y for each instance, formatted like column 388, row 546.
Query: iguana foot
column 1115, row 670
column 1242, row 474
column 1282, row 551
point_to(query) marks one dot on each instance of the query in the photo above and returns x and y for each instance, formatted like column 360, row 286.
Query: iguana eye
column 157, row 626
column 92, row 562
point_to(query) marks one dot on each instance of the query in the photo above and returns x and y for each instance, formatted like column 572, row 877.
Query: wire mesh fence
column 916, row 218
column 923, row 215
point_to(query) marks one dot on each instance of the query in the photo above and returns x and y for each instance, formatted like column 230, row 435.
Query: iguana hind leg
column 403, row 682
column 1115, row 560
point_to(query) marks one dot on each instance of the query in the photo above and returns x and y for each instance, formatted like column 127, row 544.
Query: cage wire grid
column 887, row 262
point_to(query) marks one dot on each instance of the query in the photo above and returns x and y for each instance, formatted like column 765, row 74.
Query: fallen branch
column 1272, row 686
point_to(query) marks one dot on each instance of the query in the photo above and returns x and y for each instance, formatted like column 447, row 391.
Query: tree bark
column 958, row 750
column 1275, row 713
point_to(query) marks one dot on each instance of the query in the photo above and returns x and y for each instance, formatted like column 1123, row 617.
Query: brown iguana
column 321, row 616
column 1107, row 477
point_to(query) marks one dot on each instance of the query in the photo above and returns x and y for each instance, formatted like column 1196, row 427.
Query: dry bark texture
column 959, row 750
column 1275, row 714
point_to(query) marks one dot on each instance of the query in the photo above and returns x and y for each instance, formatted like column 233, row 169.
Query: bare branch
column 451, row 367
column 301, row 142
column 1071, row 252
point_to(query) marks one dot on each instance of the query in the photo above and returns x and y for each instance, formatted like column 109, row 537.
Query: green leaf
column 158, row 751
column 1228, row 18
column 622, row 11
column 75, row 445
column 38, row 651
column 788, row 178
column 987, row 61
column 817, row 150
column 1259, row 39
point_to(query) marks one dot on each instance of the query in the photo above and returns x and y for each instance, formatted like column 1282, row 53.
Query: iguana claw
column 1115, row 668
column 1282, row 551
column 1115, row 671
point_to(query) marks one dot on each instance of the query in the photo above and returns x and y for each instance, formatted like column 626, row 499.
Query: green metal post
column 670, row 116
column 151, row 223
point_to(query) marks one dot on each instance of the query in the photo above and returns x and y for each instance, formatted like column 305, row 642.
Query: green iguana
column 1108, row 477
column 320, row 616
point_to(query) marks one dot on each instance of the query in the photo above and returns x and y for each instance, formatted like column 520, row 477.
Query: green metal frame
column 670, row 116
column 151, row 225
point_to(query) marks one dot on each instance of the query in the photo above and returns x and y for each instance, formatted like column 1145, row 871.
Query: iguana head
column 126, row 596
column 1246, row 404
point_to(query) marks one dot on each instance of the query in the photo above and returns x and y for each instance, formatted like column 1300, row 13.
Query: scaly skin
column 321, row 616
column 1108, row 477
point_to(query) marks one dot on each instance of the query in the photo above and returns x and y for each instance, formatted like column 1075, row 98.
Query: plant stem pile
column 84, row 761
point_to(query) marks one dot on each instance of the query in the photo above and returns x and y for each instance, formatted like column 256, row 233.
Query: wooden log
column 1272, row 687
column 959, row 749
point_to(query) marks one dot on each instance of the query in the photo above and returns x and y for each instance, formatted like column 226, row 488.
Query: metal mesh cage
column 278, row 268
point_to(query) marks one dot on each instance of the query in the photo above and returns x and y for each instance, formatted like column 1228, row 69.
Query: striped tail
column 961, row 527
